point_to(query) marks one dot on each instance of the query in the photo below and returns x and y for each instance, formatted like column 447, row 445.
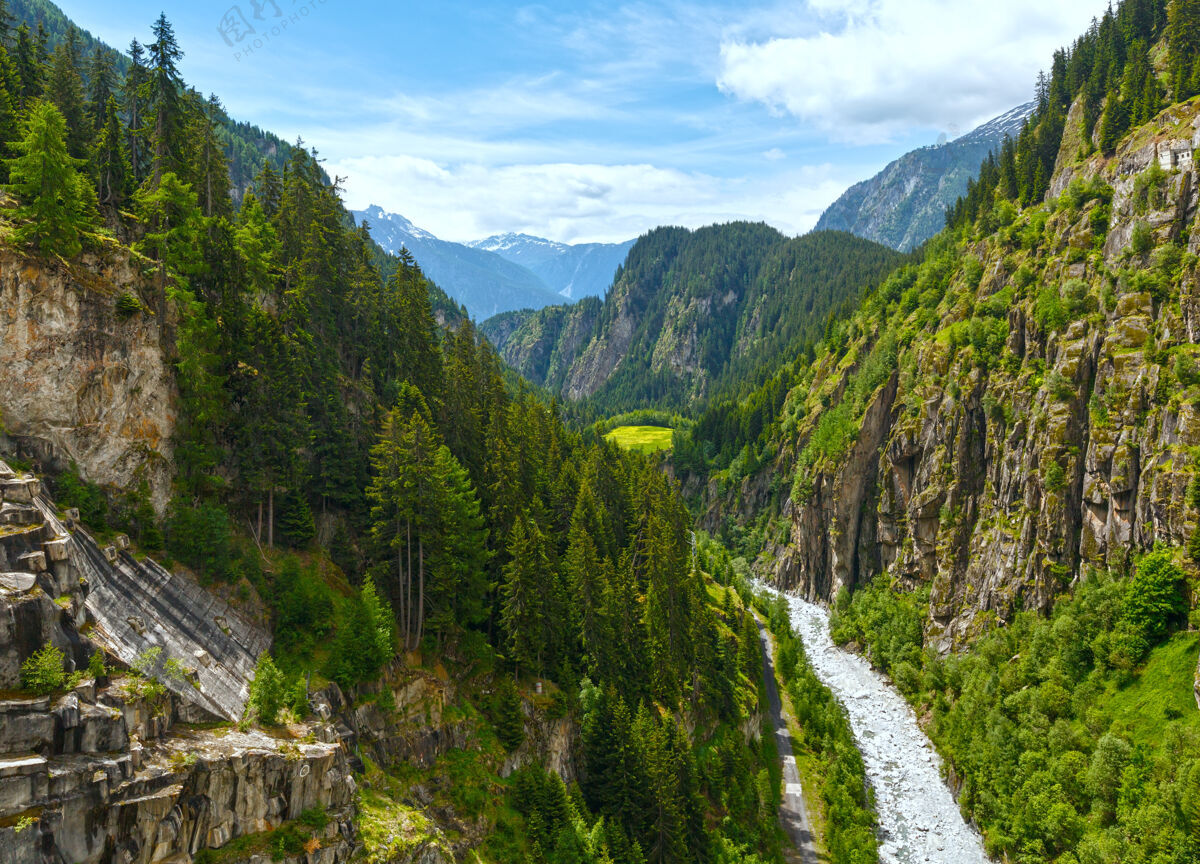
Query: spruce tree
column 524, row 609
column 64, row 87
column 266, row 691
column 114, row 176
column 165, row 105
column 6, row 24
column 135, row 84
column 1183, row 42
column 9, row 113
column 1113, row 124
column 58, row 203
column 101, row 86
column 30, row 71
column 415, row 343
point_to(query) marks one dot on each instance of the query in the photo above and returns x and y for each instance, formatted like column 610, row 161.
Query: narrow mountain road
column 792, row 810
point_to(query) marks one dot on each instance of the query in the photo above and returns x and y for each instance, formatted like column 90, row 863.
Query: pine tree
column 114, row 176
column 415, row 343
column 64, row 87
column 57, row 202
column 208, row 157
column 1113, row 124
column 266, row 691
column 363, row 643
column 6, row 24
column 135, row 84
column 588, row 577
column 1183, row 42
column 525, row 603
column 458, row 548
column 163, row 97
column 9, row 116
column 101, row 87
column 30, row 70
column 268, row 186
column 425, row 513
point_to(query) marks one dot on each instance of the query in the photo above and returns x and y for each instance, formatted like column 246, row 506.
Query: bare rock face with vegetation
column 1044, row 424
column 86, row 376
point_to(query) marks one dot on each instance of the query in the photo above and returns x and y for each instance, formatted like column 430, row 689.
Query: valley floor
column 919, row 819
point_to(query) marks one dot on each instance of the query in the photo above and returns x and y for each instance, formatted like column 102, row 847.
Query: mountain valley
column 326, row 541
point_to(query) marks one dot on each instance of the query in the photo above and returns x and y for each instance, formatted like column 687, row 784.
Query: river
column 919, row 819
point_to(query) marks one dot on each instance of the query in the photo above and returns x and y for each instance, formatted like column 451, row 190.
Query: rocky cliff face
column 82, row 382
column 104, row 771
column 1042, row 419
column 118, row 770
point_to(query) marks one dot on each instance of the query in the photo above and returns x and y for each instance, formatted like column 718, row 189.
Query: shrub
column 1049, row 311
column 1149, row 189
column 1186, row 370
column 266, row 692
column 96, row 667
column 71, row 490
column 1056, row 477
column 128, row 305
column 1153, row 598
column 1142, row 239
column 43, row 672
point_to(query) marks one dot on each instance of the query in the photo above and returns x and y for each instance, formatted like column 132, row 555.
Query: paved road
column 792, row 811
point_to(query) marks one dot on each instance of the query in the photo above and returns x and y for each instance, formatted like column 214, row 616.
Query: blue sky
column 592, row 121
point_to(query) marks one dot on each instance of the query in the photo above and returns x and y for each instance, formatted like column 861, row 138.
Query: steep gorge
column 1041, row 408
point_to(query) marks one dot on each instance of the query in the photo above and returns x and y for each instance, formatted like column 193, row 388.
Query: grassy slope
column 643, row 439
column 1160, row 693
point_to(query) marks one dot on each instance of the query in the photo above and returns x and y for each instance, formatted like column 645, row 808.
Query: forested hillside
column 246, row 147
column 693, row 316
column 361, row 477
column 989, row 468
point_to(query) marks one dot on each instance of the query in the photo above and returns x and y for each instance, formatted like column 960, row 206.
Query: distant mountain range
column 575, row 272
column 905, row 204
column 695, row 315
column 502, row 273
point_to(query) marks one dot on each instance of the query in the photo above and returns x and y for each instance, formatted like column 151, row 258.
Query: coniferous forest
column 507, row 634
column 337, row 415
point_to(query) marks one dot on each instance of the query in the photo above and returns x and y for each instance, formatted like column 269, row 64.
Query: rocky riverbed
column 919, row 819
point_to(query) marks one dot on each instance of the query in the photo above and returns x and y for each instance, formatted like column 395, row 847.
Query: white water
column 919, row 819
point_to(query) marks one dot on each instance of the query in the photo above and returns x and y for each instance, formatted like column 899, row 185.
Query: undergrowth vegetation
column 1075, row 736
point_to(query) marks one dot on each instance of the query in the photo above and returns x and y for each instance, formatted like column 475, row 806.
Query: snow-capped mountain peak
column 1007, row 125
column 511, row 242
column 378, row 217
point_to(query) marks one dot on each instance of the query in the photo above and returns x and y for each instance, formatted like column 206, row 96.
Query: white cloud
column 868, row 70
column 579, row 202
column 775, row 155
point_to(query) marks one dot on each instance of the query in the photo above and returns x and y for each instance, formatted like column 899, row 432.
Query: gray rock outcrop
column 81, row 382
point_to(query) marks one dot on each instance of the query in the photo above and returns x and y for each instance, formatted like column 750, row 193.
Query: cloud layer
column 580, row 202
column 869, row 70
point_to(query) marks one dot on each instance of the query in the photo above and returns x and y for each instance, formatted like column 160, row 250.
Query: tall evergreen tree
column 1183, row 42
column 114, row 176
column 165, row 106
column 525, row 610
column 57, row 201
column 101, row 86
column 30, row 70
column 6, row 24
column 64, row 87
column 136, row 80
